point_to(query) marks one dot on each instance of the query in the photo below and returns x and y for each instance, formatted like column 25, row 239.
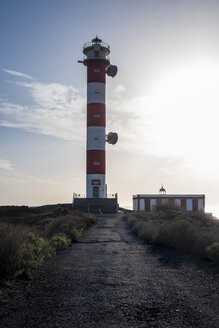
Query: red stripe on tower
column 96, row 114
column 95, row 162
column 96, row 71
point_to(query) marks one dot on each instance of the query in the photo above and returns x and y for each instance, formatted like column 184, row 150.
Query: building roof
column 169, row 196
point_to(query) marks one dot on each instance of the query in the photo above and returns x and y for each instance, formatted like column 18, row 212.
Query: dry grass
column 71, row 225
column 25, row 243
column 196, row 233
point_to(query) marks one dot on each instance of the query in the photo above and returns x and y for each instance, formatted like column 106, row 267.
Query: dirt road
column 109, row 279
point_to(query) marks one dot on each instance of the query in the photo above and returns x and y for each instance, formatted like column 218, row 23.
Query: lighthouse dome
column 162, row 190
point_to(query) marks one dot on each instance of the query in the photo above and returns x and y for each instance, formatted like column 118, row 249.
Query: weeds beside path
column 26, row 242
column 194, row 233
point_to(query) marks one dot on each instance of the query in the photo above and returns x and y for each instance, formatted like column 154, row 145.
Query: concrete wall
column 96, row 205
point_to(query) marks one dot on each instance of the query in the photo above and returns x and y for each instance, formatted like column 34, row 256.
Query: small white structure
column 187, row 202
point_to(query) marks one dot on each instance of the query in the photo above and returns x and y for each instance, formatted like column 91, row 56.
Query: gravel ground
column 109, row 279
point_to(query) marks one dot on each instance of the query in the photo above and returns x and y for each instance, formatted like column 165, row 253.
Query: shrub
column 11, row 238
column 25, row 244
column 32, row 252
column 196, row 233
column 179, row 235
column 212, row 252
column 71, row 225
column 59, row 242
column 75, row 234
column 20, row 250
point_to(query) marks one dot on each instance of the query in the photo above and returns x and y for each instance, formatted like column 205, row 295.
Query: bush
column 20, row 250
column 212, row 252
column 10, row 240
column 59, row 242
column 197, row 233
column 25, row 244
column 32, row 252
column 71, row 225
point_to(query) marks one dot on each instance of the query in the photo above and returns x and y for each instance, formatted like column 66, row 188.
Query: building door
column 96, row 193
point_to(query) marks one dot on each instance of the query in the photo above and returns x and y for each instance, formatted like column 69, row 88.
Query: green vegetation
column 212, row 252
column 195, row 233
column 26, row 242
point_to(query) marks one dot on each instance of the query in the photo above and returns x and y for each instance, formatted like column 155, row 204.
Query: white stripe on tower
column 96, row 93
column 96, row 138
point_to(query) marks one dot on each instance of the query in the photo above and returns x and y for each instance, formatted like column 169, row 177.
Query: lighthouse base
column 96, row 205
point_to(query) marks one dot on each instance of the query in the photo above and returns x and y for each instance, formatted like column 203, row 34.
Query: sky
column 163, row 103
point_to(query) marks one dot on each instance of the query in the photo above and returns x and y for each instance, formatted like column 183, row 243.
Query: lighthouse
column 98, row 65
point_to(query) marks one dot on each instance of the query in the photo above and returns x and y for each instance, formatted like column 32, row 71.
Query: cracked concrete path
column 109, row 279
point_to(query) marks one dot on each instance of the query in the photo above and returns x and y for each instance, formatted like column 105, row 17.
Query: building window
column 177, row 202
column 135, row 204
column 142, row 205
column 200, row 204
column 189, row 205
column 153, row 203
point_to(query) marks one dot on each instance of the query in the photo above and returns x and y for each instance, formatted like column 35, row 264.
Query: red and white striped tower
column 98, row 65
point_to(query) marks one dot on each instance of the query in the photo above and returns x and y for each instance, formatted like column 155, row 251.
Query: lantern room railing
column 91, row 44
column 94, row 57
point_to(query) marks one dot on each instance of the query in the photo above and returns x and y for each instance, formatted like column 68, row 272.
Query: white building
column 187, row 202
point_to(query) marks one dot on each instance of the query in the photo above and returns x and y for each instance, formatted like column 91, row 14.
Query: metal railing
column 79, row 195
column 95, row 57
column 111, row 195
column 91, row 44
column 84, row 196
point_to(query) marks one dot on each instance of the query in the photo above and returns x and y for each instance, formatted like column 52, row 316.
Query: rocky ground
column 109, row 279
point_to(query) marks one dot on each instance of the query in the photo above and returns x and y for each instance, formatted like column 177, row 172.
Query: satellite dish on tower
column 112, row 138
column 111, row 70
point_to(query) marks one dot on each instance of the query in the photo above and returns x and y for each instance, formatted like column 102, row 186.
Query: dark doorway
column 96, row 192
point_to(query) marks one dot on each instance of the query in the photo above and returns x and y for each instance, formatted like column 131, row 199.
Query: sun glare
column 184, row 112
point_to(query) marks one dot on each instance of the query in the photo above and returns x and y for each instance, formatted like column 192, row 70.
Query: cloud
column 131, row 119
column 60, row 110
column 56, row 122
column 119, row 90
column 19, row 74
column 53, row 95
column 57, row 110
column 6, row 165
